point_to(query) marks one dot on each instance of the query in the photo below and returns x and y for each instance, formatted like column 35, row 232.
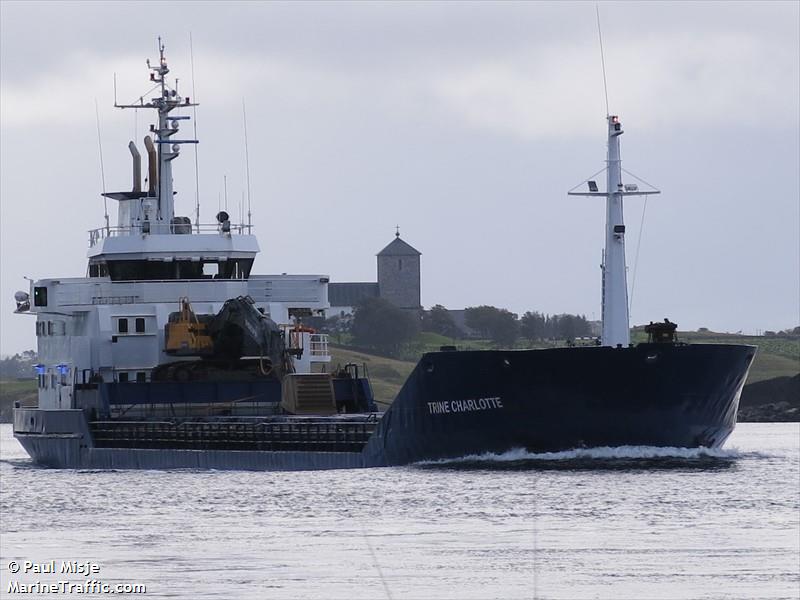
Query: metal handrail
column 95, row 235
column 319, row 344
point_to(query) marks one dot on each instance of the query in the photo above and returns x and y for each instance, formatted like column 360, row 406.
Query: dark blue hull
column 453, row 404
column 461, row 403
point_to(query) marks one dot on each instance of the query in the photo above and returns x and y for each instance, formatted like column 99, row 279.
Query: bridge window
column 40, row 296
column 132, row 270
column 98, row 270
column 122, row 325
column 210, row 270
column 139, row 324
column 151, row 270
column 141, row 377
column 122, row 378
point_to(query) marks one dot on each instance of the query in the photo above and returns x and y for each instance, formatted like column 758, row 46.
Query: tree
column 438, row 320
column 566, row 327
column 506, row 328
column 532, row 326
column 497, row 324
column 379, row 324
column 19, row 366
column 337, row 325
column 480, row 318
column 573, row 326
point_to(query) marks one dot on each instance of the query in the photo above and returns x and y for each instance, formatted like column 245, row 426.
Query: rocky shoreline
column 771, row 401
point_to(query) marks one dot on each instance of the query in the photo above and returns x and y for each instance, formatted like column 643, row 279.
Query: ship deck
column 341, row 433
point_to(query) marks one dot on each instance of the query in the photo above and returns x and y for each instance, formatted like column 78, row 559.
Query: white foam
column 599, row 453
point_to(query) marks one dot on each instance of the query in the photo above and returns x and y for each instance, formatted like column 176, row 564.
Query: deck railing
column 286, row 434
column 319, row 344
column 99, row 234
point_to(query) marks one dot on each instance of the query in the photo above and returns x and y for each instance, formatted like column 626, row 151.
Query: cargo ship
column 171, row 354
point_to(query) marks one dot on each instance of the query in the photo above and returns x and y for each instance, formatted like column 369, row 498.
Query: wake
column 599, row 457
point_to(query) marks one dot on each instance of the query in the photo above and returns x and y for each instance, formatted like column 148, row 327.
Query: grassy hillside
column 776, row 356
column 769, row 366
column 386, row 374
column 11, row 391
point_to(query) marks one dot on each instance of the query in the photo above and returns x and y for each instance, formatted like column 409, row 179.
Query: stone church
column 398, row 281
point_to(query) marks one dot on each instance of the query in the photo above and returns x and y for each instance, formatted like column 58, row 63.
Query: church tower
column 399, row 274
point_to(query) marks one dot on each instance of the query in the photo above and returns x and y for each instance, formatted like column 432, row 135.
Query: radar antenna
column 247, row 168
column 602, row 56
column 102, row 168
column 194, row 127
column 167, row 148
column 615, row 300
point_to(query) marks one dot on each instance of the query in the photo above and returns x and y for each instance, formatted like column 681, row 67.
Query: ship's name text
column 473, row 404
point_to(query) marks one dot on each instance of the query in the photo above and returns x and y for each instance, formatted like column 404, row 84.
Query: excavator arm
column 238, row 330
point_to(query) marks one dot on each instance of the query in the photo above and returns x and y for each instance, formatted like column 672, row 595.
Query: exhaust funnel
column 137, row 167
column 152, row 161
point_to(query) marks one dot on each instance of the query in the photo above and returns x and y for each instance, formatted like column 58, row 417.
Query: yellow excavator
column 237, row 341
column 185, row 334
column 240, row 343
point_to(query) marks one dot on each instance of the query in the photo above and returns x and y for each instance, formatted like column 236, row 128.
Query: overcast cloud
column 463, row 123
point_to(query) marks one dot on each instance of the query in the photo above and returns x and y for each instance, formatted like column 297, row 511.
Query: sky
column 465, row 124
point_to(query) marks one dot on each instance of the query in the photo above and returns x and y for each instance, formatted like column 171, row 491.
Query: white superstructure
column 110, row 324
column 616, row 327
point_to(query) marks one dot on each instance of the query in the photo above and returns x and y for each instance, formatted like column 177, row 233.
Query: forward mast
column 616, row 320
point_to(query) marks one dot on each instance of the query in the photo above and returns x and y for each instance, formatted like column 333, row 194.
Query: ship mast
column 168, row 148
column 616, row 326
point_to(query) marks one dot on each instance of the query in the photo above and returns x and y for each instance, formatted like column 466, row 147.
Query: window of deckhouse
column 98, row 270
column 40, row 296
column 154, row 270
column 210, row 270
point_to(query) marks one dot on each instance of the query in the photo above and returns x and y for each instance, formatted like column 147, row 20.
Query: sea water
column 612, row 523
